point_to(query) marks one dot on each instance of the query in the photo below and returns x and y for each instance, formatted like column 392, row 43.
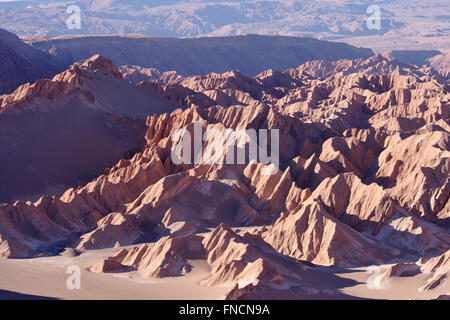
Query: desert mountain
column 250, row 54
column 416, row 57
column 363, row 179
column 47, row 128
column 19, row 63
column 441, row 62
column 342, row 20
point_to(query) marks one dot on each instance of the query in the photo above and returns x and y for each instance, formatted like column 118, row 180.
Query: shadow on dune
column 11, row 295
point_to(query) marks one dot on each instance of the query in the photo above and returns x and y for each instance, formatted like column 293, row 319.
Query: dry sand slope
column 362, row 184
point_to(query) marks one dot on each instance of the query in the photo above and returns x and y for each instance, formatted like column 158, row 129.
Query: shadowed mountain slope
column 65, row 131
column 250, row 54
column 19, row 63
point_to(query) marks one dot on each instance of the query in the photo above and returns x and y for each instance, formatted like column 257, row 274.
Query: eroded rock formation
column 363, row 179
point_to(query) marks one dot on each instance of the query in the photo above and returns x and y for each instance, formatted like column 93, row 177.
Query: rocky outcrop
column 137, row 74
column 246, row 259
column 439, row 264
column 397, row 270
column 165, row 258
column 233, row 258
column 108, row 266
column 312, row 234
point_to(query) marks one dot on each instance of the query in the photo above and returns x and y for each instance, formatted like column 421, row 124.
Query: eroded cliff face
column 363, row 179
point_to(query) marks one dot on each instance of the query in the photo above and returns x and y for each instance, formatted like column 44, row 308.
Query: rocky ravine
column 363, row 180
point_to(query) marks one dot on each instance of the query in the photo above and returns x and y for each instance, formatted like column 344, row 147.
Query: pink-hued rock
column 108, row 266
column 233, row 258
column 439, row 264
column 398, row 270
column 362, row 178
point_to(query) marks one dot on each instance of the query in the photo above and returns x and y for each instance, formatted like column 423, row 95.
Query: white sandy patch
column 47, row 277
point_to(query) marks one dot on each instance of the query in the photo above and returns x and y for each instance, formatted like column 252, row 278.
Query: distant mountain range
column 411, row 24
column 143, row 55
column 250, row 54
column 21, row 63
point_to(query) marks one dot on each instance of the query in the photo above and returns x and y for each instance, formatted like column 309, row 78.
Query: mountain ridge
column 19, row 63
column 250, row 54
column 328, row 20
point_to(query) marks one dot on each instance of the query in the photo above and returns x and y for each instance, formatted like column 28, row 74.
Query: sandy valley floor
column 46, row 278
